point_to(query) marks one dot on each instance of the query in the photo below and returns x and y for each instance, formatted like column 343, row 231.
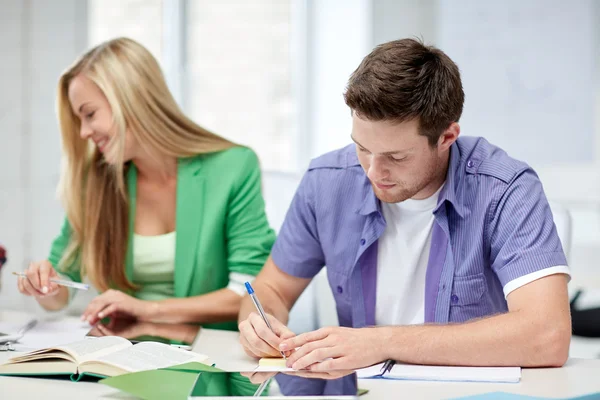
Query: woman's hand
column 131, row 330
column 116, row 303
column 36, row 281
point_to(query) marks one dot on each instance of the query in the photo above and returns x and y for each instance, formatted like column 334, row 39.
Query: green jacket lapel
column 190, row 204
column 132, row 189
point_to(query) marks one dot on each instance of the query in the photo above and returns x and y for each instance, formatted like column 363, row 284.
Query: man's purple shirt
column 492, row 224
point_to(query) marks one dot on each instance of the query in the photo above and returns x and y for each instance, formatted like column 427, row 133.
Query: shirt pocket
column 467, row 298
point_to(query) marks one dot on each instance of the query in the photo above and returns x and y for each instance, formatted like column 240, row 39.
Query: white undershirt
column 402, row 258
column 403, row 255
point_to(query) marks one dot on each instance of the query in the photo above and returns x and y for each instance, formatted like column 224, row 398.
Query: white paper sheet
column 47, row 333
column 272, row 368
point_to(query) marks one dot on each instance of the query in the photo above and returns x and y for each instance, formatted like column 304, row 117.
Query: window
column 229, row 64
column 140, row 20
column 239, row 74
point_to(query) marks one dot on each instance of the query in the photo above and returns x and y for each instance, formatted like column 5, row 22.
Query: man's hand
column 258, row 340
column 260, row 377
column 327, row 375
column 114, row 302
column 335, row 348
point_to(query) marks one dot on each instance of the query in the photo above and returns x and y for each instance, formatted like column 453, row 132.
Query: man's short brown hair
column 404, row 79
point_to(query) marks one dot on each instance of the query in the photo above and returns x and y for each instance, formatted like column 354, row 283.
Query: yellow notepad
column 272, row 362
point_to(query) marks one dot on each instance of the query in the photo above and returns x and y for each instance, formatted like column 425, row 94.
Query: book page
column 150, row 355
column 93, row 348
column 77, row 351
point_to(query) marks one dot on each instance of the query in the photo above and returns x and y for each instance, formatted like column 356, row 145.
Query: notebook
column 101, row 357
column 513, row 396
column 440, row 373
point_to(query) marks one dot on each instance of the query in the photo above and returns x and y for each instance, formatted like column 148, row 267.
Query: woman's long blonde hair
column 94, row 193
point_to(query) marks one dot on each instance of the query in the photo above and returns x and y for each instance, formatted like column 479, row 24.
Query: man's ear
column 448, row 137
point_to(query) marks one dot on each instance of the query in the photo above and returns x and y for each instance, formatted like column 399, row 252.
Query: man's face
column 398, row 161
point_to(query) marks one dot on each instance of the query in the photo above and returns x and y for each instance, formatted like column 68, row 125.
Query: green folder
column 181, row 381
column 226, row 384
column 169, row 383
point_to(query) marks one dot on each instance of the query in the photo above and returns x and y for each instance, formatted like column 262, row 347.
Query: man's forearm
column 511, row 339
column 271, row 302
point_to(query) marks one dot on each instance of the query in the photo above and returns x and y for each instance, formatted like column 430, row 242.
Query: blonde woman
column 165, row 218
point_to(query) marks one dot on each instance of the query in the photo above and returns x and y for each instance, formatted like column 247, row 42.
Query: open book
column 442, row 373
column 103, row 356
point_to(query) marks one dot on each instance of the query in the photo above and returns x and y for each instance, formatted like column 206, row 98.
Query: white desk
column 577, row 378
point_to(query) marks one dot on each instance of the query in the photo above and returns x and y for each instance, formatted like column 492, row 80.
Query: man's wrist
column 385, row 336
column 244, row 309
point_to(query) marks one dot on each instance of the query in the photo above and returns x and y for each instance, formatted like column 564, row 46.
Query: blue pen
column 260, row 310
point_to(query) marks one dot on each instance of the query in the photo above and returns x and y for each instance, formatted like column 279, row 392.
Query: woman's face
column 91, row 106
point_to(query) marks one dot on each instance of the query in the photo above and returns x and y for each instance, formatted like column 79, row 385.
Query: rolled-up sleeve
column 523, row 237
column 249, row 236
column 297, row 250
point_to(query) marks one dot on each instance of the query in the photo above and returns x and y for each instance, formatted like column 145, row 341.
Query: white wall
column 397, row 19
column 340, row 34
column 38, row 39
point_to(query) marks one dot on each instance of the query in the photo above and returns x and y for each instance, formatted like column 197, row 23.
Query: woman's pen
column 61, row 282
column 261, row 311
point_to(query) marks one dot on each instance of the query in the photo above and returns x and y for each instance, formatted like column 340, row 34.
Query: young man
column 439, row 249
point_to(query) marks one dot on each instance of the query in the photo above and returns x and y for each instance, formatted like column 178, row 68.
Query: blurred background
column 271, row 73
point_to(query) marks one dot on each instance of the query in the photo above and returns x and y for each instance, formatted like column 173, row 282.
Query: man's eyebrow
column 387, row 153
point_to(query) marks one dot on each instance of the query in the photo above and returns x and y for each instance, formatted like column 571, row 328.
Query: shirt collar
column 370, row 203
column 448, row 192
